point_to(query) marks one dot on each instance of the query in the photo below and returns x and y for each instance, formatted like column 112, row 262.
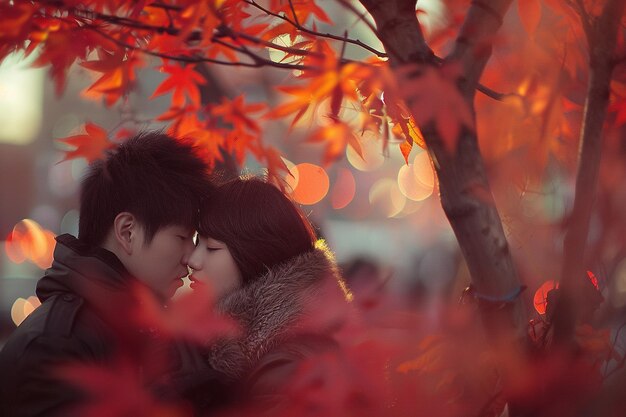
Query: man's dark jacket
column 85, row 317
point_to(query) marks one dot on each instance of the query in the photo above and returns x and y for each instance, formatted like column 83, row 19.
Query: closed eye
column 212, row 249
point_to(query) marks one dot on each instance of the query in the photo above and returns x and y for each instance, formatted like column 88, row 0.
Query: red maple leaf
column 61, row 45
column 434, row 97
column 90, row 146
column 530, row 14
column 182, row 80
column 304, row 10
column 118, row 74
column 237, row 113
column 191, row 316
column 336, row 136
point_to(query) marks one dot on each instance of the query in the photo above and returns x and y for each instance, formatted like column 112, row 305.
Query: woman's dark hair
column 260, row 225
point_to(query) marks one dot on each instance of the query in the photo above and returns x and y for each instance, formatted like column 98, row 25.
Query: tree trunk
column 465, row 193
column 576, row 299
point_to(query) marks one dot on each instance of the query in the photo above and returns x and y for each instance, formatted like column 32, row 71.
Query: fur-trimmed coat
column 288, row 313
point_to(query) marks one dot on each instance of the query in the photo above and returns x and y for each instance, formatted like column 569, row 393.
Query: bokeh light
column 410, row 186
column 21, row 99
column 29, row 241
column 291, row 177
column 540, row 299
column 386, row 197
column 313, row 184
column 22, row 308
column 423, row 170
column 344, row 189
column 618, row 296
column 373, row 157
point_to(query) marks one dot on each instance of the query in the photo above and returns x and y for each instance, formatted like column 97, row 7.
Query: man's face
column 162, row 263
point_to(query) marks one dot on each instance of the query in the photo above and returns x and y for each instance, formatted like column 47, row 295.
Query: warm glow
column 372, row 150
column 29, row 241
column 410, row 186
column 618, row 296
column 423, row 170
column 386, row 197
column 22, row 308
column 541, row 296
column 312, row 184
column 21, row 98
column 344, row 189
column 277, row 55
column 291, row 177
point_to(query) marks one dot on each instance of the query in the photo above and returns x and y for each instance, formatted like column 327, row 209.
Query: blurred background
column 381, row 216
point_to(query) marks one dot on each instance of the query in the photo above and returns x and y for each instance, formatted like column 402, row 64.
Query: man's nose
column 188, row 253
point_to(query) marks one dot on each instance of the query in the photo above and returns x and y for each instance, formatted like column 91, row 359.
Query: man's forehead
column 179, row 228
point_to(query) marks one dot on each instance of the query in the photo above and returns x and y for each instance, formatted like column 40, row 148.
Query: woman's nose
column 193, row 261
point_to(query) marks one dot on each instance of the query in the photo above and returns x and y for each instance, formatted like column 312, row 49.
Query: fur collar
column 275, row 307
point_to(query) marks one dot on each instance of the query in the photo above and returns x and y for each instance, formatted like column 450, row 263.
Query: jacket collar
column 273, row 307
column 78, row 268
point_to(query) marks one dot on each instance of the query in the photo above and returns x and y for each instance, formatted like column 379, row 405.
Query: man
column 138, row 211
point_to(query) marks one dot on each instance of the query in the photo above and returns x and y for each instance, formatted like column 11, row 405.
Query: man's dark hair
column 157, row 178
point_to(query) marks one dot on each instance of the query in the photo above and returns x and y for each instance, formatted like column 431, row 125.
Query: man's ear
column 125, row 231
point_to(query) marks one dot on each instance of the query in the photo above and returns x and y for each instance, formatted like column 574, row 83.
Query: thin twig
column 295, row 15
column 494, row 94
column 620, row 365
column 360, row 15
column 260, row 62
column 165, row 6
column 175, row 31
column 315, row 33
column 579, row 8
column 343, row 45
column 227, row 31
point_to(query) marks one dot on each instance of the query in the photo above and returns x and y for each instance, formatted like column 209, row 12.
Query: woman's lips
column 194, row 282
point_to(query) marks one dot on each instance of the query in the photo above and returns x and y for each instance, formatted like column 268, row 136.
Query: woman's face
column 213, row 265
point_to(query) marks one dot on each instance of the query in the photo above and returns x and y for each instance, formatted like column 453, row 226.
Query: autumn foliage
column 514, row 102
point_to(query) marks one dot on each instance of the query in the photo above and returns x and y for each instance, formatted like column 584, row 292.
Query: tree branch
column 260, row 62
column 472, row 48
column 315, row 33
column 399, row 31
column 585, row 19
column 294, row 51
column 464, row 189
column 172, row 30
column 577, row 298
column 295, row 15
column 360, row 16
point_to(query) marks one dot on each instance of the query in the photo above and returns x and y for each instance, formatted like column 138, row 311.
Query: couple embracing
column 140, row 209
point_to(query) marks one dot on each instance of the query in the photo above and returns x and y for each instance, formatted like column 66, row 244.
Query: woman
column 259, row 254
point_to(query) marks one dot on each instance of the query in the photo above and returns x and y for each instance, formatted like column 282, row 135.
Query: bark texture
column 465, row 192
column 577, row 297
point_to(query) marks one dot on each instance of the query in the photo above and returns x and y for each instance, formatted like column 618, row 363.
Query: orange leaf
column 405, row 148
column 237, row 113
column 118, row 74
column 435, row 98
column 530, row 14
column 336, row 136
column 540, row 300
column 593, row 280
column 90, row 146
